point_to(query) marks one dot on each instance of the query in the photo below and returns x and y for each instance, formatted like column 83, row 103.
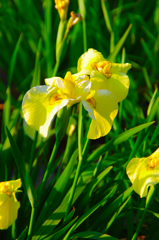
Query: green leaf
column 26, row 180
column 23, row 234
column 92, row 235
column 86, row 215
column 112, row 209
column 13, row 59
column 117, row 140
column 55, row 196
column 58, row 235
column 119, row 45
column 126, row 135
column 36, row 75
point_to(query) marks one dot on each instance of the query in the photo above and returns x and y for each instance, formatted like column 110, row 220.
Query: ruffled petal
column 53, row 82
column 120, row 67
column 141, row 175
column 86, row 59
column 102, row 114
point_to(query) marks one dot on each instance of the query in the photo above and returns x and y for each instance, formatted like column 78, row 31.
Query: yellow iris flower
column 144, row 172
column 105, row 74
column 41, row 103
column 8, row 203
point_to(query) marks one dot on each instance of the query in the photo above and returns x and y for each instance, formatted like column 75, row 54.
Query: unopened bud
column 75, row 18
column 62, row 7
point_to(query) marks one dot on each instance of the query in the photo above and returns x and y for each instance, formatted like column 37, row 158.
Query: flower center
column 103, row 67
column 54, row 98
column 154, row 162
column 5, row 189
column 92, row 102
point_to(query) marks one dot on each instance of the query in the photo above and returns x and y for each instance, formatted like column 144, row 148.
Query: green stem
column 56, row 68
column 84, row 35
column 149, row 199
column 33, row 151
column 79, row 162
column 32, row 218
column 49, row 167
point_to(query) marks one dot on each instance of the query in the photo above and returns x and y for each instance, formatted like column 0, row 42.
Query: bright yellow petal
column 118, row 84
column 102, row 114
column 10, row 186
column 8, row 210
column 141, row 175
column 86, row 59
column 8, row 203
column 120, row 67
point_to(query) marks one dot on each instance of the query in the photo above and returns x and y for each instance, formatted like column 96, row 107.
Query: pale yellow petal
column 8, row 210
column 141, row 175
column 89, row 57
column 39, row 106
column 102, row 114
column 50, row 113
column 53, row 82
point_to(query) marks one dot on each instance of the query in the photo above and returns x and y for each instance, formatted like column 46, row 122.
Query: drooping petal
column 39, row 106
column 8, row 203
column 102, row 111
column 8, row 210
column 51, row 111
column 86, row 59
column 118, row 84
column 141, row 175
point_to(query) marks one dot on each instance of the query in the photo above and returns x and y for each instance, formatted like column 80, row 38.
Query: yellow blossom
column 41, row 103
column 62, row 7
column 144, row 172
column 8, row 203
column 105, row 74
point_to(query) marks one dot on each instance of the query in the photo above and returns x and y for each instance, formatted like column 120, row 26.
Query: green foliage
column 79, row 190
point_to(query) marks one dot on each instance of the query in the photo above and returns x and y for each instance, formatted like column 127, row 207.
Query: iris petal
column 37, row 109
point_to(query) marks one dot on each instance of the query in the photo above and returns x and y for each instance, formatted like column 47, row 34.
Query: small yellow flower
column 62, row 7
column 105, row 74
column 8, row 203
column 144, row 172
column 41, row 103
